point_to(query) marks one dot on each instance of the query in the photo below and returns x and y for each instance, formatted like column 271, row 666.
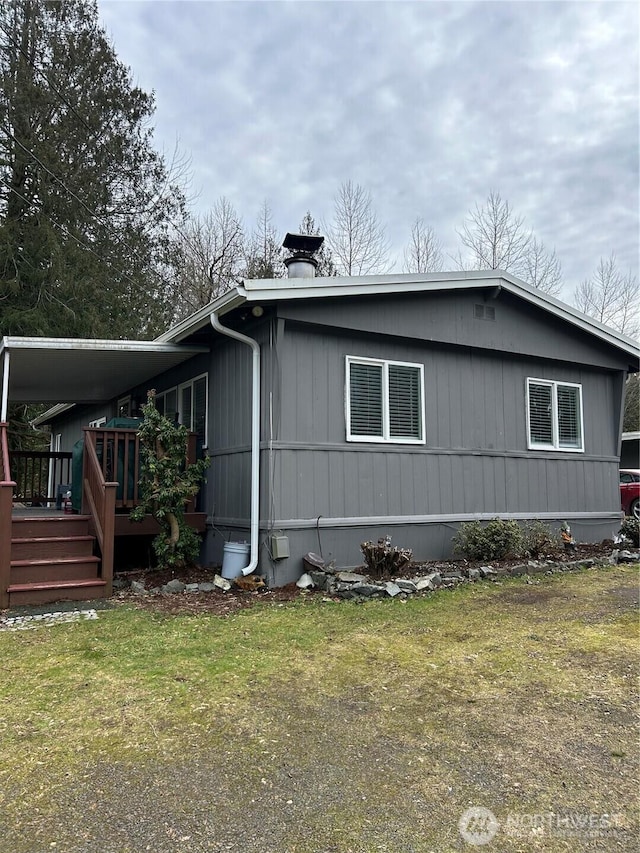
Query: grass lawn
column 320, row 726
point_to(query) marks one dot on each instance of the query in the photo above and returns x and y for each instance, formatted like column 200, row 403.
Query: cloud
column 427, row 105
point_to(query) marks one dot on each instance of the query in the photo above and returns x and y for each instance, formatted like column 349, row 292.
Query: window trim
column 555, row 445
column 190, row 383
column 122, row 402
column 386, row 437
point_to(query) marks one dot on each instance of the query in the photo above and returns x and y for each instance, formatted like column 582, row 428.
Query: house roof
column 256, row 291
column 48, row 370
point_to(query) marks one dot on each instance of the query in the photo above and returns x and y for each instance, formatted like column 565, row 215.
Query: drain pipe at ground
column 255, row 435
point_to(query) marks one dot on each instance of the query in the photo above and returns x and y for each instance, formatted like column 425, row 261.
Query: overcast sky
column 428, row 105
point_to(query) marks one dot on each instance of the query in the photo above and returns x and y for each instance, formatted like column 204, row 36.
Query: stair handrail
column 99, row 501
column 6, row 505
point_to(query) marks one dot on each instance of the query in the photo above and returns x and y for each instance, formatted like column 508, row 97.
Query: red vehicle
column 630, row 491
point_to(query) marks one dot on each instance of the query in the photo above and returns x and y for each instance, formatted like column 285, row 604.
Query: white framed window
column 167, row 403
column 193, row 405
column 554, row 416
column 384, row 401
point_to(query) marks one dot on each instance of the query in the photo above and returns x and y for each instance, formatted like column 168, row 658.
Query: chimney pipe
column 301, row 263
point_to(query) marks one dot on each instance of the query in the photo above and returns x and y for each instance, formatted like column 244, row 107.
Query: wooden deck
column 47, row 554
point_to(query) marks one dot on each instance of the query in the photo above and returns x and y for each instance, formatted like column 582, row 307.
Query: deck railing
column 118, row 455
column 38, row 475
column 7, row 486
column 99, row 501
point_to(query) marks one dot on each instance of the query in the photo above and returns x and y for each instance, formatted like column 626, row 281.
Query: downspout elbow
column 255, row 434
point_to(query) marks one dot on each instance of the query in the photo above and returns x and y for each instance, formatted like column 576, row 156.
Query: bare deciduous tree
column 541, row 268
column 495, row 237
column 210, row 258
column 610, row 296
column 498, row 239
column 355, row 236
column 424, row 251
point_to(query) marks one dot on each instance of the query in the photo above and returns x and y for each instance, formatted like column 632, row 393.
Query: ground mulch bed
column 218, row 603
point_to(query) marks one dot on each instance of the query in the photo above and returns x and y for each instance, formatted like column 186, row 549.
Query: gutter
column 255, row 434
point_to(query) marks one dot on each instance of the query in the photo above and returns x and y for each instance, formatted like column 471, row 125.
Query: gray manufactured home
column 341, row 410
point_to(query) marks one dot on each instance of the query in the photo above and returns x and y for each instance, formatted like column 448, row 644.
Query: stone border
column 351, row 585
column 23, row 623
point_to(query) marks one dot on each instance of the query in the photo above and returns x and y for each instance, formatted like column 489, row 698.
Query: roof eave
column 275, row 290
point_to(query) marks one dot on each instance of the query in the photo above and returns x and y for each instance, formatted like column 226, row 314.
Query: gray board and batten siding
column 328, row 494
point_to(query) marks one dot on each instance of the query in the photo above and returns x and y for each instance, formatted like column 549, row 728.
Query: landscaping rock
column 392, row 589
column 138, row 588
column 221, row 583
column 488, row 571
column 351, row 577
column 368, row 590
column 432, row 581
column 628, row 557
column 475, row 574
column 192, row 587
column 174, row 586
column 345, row 590
column 406, row 585
column 207, row 587
column 305, row 582
column 319, row 579
column 452, row 576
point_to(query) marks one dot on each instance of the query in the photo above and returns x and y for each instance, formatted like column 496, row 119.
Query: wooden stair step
column 39, row 539
column 54, row 569
column 82, row 589
column 56, row 561
column 22, row 587
column 49, row 525
column 50, row 547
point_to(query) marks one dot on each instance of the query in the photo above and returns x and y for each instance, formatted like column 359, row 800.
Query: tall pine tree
column 85, row 202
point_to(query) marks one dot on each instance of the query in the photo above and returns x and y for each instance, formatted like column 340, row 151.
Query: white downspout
column 255, row 435
column 5, row 387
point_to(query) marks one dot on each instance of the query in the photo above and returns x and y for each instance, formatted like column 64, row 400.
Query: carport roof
column 77, row 370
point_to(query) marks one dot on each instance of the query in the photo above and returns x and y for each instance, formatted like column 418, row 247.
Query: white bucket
column 235, row 559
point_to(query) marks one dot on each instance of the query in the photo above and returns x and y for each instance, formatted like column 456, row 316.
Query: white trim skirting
column 388, row 520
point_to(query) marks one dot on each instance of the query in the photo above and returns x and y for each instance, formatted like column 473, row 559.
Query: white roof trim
column 273, row 290
column 47, row 370
column 92, row 345
column 51, row 413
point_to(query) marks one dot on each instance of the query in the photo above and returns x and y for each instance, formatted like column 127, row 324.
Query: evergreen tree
column 85, row 201
column 323, row 256
column 263, row 258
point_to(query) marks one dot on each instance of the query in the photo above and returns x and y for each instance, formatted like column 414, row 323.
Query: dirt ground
column 224, row 603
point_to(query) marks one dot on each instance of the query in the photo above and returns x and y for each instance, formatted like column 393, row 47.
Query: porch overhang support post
column 5, row 386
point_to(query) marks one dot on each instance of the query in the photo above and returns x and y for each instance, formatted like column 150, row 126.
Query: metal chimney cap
column 307, row 243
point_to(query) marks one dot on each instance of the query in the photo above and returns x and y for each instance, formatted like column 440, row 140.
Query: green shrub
column 537, row 539
column 494, row 541
column 167, row 484
column 631, row 529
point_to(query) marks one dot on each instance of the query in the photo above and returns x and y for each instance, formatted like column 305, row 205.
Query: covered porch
column 50, row 550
